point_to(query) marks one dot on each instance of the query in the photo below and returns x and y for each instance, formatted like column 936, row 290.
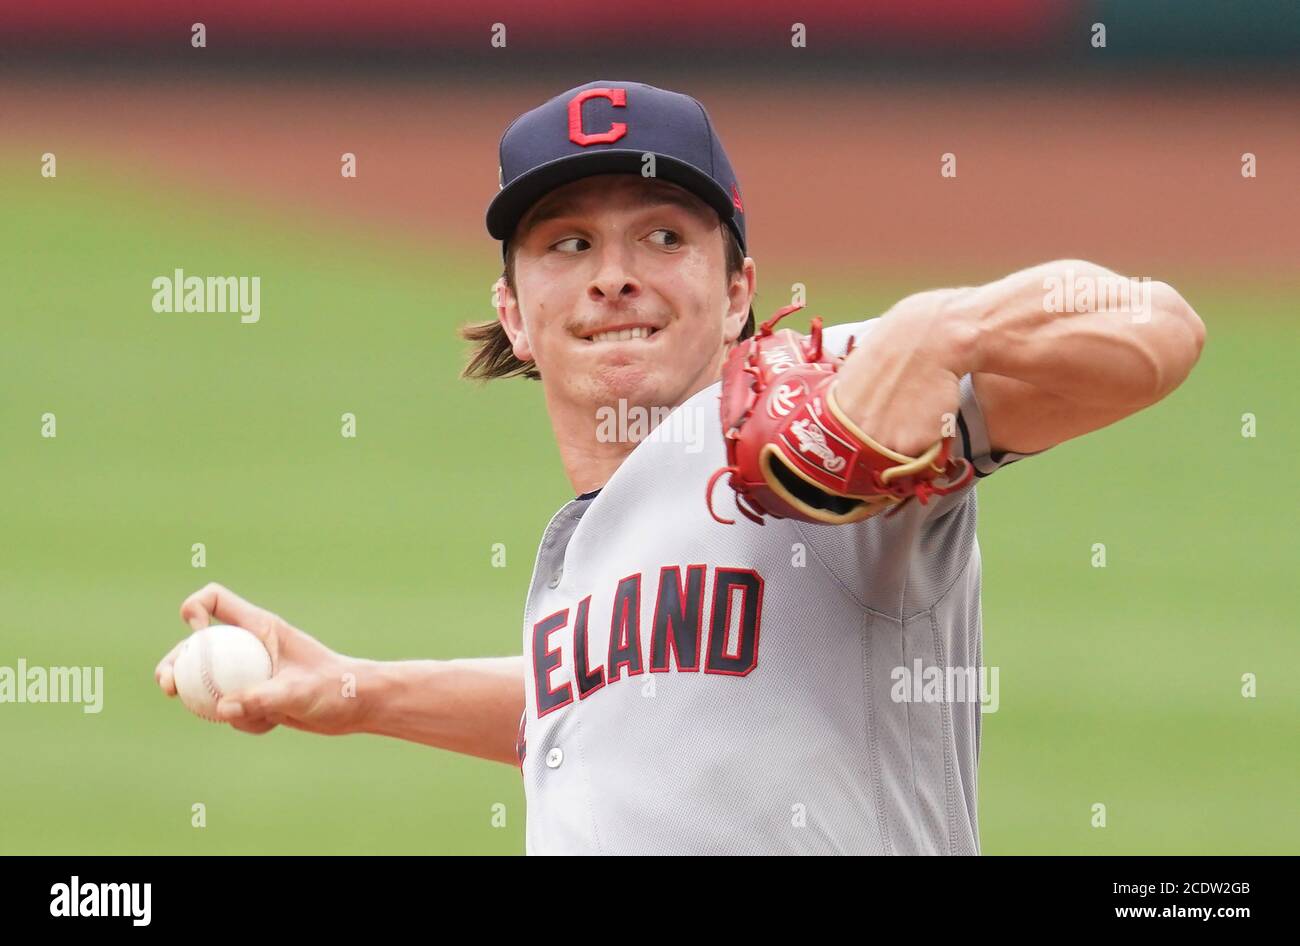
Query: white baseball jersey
column 698, row 688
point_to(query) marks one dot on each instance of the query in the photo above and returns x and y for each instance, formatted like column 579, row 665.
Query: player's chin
column 631, row 382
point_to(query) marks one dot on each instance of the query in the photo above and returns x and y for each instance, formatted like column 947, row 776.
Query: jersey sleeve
column 973, row 435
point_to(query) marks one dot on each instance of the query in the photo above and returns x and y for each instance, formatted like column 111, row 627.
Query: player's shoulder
column 836, row 337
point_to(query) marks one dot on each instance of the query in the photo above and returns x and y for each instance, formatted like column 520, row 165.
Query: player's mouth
column 624, row 333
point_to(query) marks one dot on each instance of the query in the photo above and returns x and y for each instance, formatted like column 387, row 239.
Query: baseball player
column 744, row 632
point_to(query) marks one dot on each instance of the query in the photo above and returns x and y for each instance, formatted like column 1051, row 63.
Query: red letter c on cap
column 617, row 130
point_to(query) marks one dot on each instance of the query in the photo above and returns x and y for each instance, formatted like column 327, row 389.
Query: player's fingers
column 164, row 674
column 271, row 698
column 217, row 601
column 254, row 727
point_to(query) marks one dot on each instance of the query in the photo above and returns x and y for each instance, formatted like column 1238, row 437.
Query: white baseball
column 215, row 661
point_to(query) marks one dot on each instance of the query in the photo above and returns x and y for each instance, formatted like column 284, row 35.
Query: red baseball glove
column 793, row 454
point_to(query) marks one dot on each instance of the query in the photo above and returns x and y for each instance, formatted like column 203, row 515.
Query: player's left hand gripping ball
column 792, row 453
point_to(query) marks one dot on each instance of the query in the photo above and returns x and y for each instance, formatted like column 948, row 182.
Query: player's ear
column 511, row 320
column 741, row 288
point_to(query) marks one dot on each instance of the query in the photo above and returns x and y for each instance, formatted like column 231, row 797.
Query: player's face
column 621, row 292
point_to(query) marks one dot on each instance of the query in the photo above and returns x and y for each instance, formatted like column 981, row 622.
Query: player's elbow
column 1183, row 338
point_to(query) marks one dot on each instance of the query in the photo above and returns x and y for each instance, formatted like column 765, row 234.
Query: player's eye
column 674, row 238
column 560, row 245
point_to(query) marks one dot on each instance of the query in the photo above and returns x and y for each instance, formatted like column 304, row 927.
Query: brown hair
column 493, row 356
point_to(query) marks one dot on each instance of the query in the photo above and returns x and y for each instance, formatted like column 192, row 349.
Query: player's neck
column 588, row 463
column 594, row 440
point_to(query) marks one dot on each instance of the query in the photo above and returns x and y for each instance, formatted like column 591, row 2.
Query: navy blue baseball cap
column 608, row 127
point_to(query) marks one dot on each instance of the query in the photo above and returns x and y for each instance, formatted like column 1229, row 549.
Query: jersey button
column 555, row 579
column 554, row 758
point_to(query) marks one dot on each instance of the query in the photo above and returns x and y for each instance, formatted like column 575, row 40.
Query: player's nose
column 614, row 281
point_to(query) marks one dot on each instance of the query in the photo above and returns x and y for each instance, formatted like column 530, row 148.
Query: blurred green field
column 1119, row 686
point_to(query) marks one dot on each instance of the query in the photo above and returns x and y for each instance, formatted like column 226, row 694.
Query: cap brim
column 513, row 201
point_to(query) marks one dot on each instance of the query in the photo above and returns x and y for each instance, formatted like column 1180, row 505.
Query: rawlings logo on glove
column 793, row 454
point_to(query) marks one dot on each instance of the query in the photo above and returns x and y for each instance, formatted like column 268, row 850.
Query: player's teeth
column 622, row 335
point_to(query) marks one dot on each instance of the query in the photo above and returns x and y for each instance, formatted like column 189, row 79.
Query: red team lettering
column 676, row 632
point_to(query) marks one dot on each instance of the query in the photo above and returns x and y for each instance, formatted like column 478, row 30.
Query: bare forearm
column 1050, row 357
column 470, row 706
column 1083, row 333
